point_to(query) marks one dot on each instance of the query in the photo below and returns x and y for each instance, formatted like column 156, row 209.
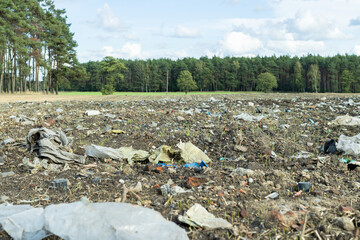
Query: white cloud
column 127, row 51
column 132, row 50
column 308, row 27
column 355, row 22
column 109, row 21
column 239, row 44
column 131, row 37
column 231, row 1
column 295, row 47
column 185, row 32
column 357, row 49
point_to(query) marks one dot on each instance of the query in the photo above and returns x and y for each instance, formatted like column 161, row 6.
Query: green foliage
column 347, row 79
column 266, row 82
column 185, row 82
column 314, row 76
column 35, row 38
column 107, row 89
column 299, row 80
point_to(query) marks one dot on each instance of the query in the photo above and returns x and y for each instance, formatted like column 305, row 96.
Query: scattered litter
column 171, row 188
column 349, row 145
column 272, row 195
column 302, row 155
column 59, row 184
column 346, row 120
column 117, row 131
column 7, row 174
column 197, row 165
column 190, row 153
column 109, row 115
column 137, row 187
column 163, row 154
column 24, row 120
column 248, row 117
column 198, row 216
column 304, row 186
column 329, row 147
column 103, row 152
column 298, row 193
column 36, row 163
column 242, row 172
column 48, row 144
column 7, row 141
column 353, row 165
column 92, row 112
column 132, row 155
column 311, row 121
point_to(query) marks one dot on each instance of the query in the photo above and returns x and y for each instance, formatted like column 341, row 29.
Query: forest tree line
column 37, row 50
column 311, row 73
column 38, row 53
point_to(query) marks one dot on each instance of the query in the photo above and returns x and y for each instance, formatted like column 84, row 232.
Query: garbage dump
column 235, row 166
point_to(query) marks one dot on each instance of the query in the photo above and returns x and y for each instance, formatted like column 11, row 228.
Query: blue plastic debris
column 198, row 165
column 166, row 165
column 312, row 121
column 225, row 158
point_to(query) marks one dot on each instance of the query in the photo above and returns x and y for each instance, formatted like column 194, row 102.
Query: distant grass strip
column 150, row 93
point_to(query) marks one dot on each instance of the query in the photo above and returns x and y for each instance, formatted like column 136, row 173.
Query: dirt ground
column 271, row 147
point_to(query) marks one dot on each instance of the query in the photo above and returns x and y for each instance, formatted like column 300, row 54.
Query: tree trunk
column 2, row 70
column 13, row 75
column 37, row 76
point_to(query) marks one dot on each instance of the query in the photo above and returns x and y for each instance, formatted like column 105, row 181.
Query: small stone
column 345, row 223
column 180, row 118
column 59, row 183
column 137, row 188
column 172, row 170
column 242, row 171
column 121, row 181
column 240, row 148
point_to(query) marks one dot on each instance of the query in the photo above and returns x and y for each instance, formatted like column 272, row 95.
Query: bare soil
column 291, row 124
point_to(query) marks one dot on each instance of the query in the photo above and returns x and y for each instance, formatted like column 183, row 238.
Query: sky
column 175, row 29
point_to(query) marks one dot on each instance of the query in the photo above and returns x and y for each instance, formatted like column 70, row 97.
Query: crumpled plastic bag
column 128, row 153
column 83, row 220
column 48, row 144
column 198, row 216
column 349, row 145
column 24, row 120
column 163, row 154
column 22, row 221
column 346, row 120
column 248, row 117
column 133, row 155
column 190, row 153
column 103, row 152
